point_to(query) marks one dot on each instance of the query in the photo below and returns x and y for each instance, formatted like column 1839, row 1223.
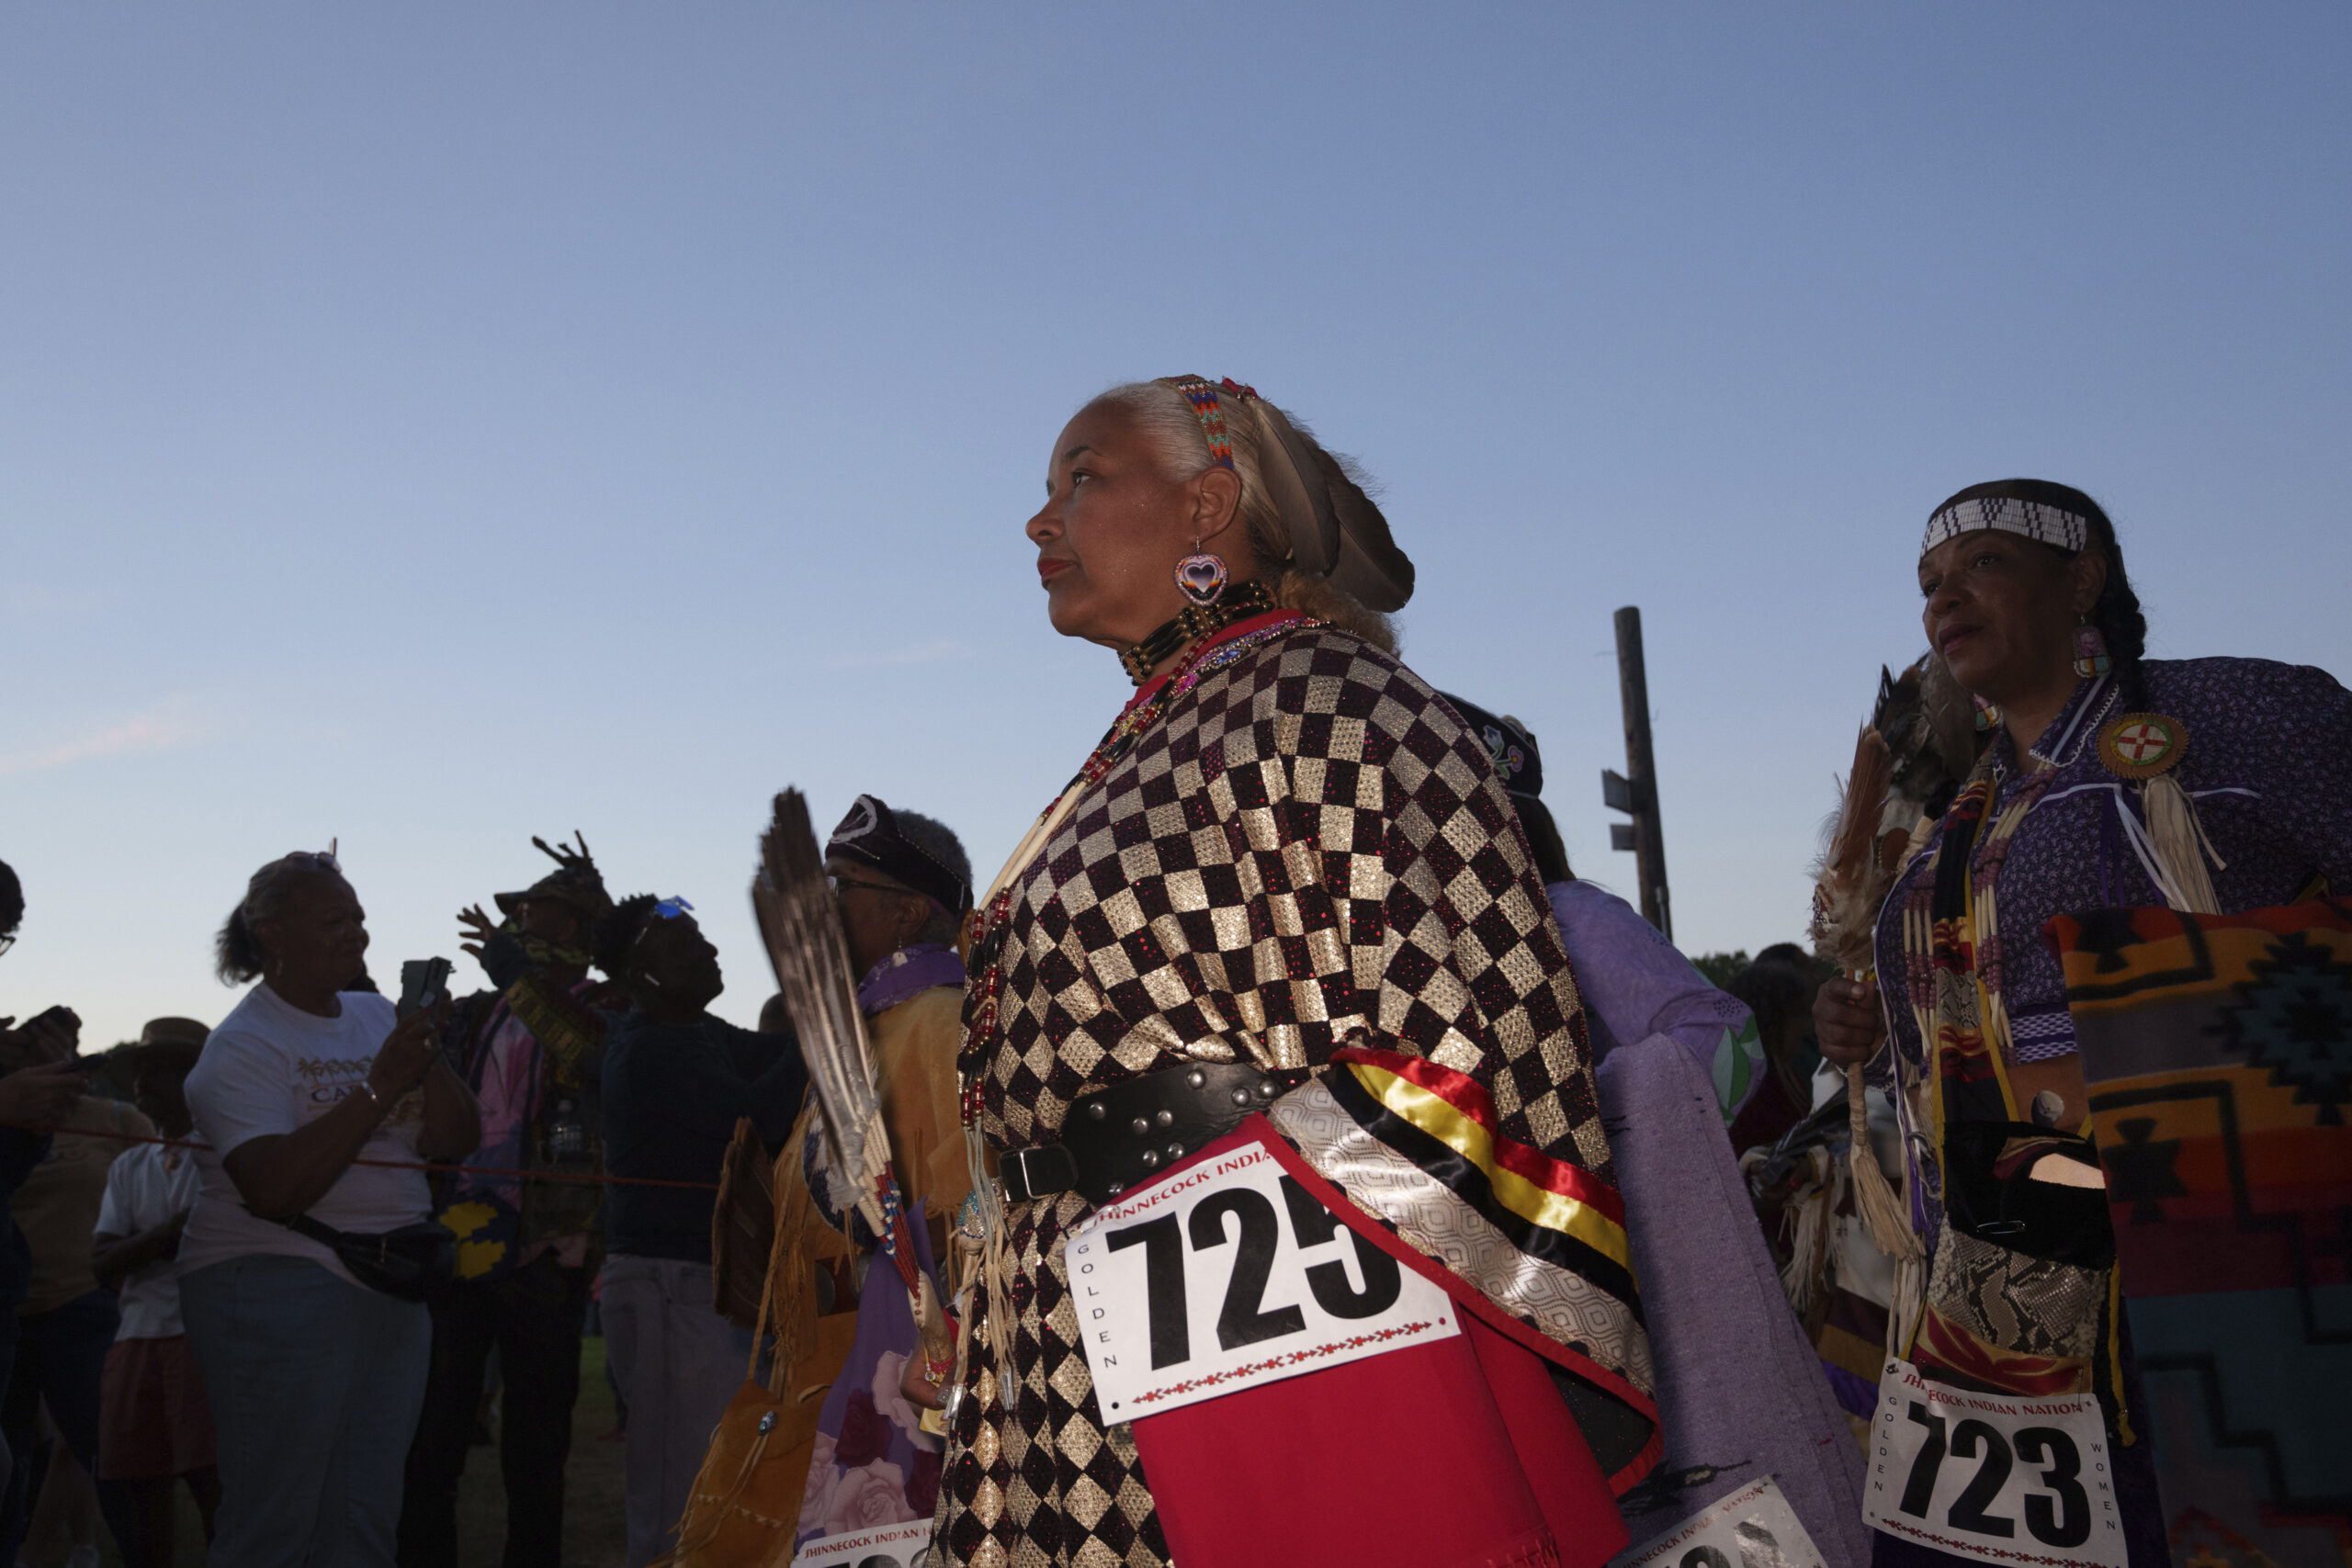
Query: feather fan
column 802, row 928
column 1844, row 911
column 1853, row 880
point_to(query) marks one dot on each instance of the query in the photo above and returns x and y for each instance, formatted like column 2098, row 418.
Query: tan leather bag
column 745, row 1503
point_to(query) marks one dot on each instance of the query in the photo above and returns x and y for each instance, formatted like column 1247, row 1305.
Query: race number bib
column 1751, row 1527
column 1991, row 1475
column 1228, row 1274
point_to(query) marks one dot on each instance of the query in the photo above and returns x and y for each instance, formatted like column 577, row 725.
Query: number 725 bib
column 1227, row 1273
column 1991, row 1476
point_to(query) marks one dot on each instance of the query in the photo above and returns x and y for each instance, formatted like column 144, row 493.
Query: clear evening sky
column 428, row 425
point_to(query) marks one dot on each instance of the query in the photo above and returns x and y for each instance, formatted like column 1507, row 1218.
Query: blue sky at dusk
column 429, row 426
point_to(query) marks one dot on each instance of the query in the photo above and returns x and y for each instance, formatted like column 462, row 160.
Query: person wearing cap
column 530, row 1048
column 1740, row 1391
column 903, row 884
column 2094, row 749
column 154, row 1425
column 1284, row 902
column 675, row 1082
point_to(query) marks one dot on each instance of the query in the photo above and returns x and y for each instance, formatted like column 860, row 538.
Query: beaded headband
column 2035, row 520
column 1210, row 411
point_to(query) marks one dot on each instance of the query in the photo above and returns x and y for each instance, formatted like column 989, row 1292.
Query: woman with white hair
column 1284, row 913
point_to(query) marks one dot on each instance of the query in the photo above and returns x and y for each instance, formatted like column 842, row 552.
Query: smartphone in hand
column 424, row 982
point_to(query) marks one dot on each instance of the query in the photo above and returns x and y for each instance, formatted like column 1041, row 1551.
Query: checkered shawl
column 1310, row 865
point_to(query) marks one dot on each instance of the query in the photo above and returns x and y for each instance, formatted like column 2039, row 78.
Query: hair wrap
column 1333, row 530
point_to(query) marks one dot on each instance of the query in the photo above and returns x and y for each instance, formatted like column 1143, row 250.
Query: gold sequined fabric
column 1307, row 851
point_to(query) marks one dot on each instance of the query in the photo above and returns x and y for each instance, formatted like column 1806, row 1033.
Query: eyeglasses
column 668, row 909
column 838, row 883
column 315, row 859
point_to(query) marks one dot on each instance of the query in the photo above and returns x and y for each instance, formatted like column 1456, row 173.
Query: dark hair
column 1794, row 957
column 1774, row 989
column 12, row 900
column 1543, row 839
column 938, row 840
column 237, row 955
column 2117, row 614
column 618, row 931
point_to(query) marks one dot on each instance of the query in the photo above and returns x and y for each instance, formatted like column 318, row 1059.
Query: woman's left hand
column 919, row 1390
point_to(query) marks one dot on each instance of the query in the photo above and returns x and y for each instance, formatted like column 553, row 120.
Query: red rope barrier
column 395, row 1163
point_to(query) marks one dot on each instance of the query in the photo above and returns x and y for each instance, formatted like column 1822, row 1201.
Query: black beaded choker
column 1240, row 602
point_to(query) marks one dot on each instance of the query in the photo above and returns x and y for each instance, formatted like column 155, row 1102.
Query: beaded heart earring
column 1201, row 576
column 1987, row 715
column 2090, row 651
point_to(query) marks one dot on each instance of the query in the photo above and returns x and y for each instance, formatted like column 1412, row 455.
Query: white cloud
column 165, row 727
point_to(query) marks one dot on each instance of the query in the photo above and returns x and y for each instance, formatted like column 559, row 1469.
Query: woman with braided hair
column 2113, row 783
column 1284, row 913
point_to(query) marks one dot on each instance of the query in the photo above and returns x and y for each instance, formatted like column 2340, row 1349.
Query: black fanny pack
column 414, row 1263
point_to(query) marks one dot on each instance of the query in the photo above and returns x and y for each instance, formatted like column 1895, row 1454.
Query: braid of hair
column 2117, row 614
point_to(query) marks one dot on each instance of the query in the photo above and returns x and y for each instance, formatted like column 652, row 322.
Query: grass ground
column 594, row 1535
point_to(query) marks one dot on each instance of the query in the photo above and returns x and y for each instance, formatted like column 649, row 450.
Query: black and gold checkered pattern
column 1310, row 849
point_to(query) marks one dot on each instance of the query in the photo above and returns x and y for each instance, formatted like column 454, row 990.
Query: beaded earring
column 1201, row 578
column 2090, row 651
column 1987, row 715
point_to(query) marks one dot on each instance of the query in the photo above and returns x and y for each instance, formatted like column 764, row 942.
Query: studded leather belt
column 1115, row 1137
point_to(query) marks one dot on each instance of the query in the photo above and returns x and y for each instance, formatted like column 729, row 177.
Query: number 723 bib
column 1991, row 1476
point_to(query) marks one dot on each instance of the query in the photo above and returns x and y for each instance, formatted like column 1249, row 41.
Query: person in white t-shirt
column 155, row 1427
column 315, row 1378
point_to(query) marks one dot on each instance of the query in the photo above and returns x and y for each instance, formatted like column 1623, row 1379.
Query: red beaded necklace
column 1147, row 708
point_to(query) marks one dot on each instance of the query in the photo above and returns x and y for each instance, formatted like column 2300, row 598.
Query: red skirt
column 154, row 1422
column 1455, row 1454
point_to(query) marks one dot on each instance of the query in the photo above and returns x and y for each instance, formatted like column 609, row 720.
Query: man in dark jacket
column 527, row 1246
column 675, row 1081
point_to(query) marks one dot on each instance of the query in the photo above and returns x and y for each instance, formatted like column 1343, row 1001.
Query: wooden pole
column 1641, row 773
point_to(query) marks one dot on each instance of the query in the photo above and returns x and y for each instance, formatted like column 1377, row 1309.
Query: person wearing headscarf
column 1739, row 1391
column 2113, row 781
column 530, row 1048
column 1285, row 907
column 903, row 884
